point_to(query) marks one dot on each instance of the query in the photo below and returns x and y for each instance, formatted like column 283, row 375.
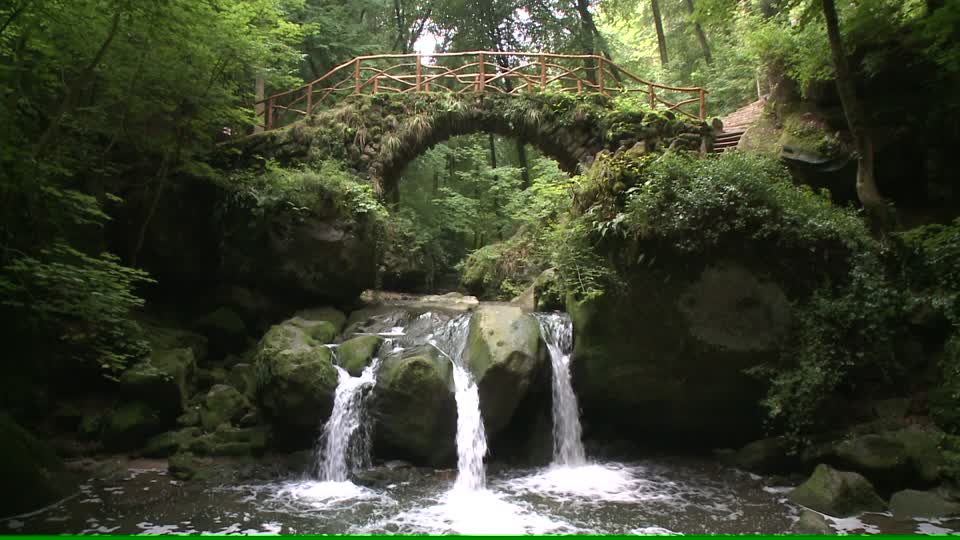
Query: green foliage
column 322, row 186
column 929, row 266
column 81, row 302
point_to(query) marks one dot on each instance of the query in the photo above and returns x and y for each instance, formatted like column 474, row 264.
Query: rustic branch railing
column 475, row 72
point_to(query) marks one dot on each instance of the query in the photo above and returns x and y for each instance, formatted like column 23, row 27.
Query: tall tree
column 701, row 35
column 867, row 190
column 661, row 38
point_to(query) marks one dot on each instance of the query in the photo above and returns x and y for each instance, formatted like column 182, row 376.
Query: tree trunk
column 873, row 203
column 259, row 109
column 586, row 38
column 701, row 36
column 524, row 164
column 661, row 38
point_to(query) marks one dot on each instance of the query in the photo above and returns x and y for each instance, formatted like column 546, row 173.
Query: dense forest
column 174, row 276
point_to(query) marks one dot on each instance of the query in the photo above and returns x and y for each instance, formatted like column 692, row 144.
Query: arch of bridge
column 378, row 135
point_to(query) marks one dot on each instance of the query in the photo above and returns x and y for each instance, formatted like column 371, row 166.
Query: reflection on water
column 650, row 497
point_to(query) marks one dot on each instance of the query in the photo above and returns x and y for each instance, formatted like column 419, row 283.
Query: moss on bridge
column 377, row 135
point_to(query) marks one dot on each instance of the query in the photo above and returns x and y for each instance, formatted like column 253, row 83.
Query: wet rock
column 503, row 355
column 811, row 522
column 356, row 353
column 297, row 377
column 837, row 493
column 162, row 380
column 186, row 466
column 414, row 408
column 765, row 456
column 223, row 404
column 910, row 504
column 33, row 474
column 327, row 314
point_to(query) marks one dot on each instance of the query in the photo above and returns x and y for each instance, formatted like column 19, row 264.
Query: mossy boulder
column 227, row 440
column 892, row 459
column 356, row 353
column 837, row 493
column 131, row 424
column 223, row 404
column 668, row 355
column 911, row 504
column 166, row 338
column 503, row 355
column 171, row 442
column 324, row 313
column 243, row 377
column 163, row 380
column 225, row 330
column 296, row 375
column 31, row 470
column 812, row 523
column 414, row 408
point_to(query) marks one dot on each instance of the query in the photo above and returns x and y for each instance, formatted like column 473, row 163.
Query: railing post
column 356, row 76
column 376, row 83
column 579, row 86
column 268, row 121
column 481, row 77
column 418, row 73
column 653, row 98
column 543, row 72
column 703, row 104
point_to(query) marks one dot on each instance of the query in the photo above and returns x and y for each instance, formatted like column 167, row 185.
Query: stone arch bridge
column 377, row 113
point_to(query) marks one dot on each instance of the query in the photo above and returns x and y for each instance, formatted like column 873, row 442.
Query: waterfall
column 557, row 332
column 345, row 441
column 451, row 341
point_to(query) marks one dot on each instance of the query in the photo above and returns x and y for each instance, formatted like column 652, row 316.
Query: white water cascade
column 345, row 441
column 451, row 341
column 557, row 332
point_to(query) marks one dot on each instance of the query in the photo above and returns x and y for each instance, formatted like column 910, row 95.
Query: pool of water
column 659, row 496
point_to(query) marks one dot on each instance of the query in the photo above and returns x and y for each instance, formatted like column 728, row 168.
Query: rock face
column 503, row 354
column 32, row 473
column 667, row 357
column 297, row 378
column 225, row 330
column 356, row 353
column 162, row 380
column 130, row 425
column 321, row 254
column 415, row 409
column 837, row 493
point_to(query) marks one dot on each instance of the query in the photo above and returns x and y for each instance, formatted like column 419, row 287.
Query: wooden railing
column 474, row 72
